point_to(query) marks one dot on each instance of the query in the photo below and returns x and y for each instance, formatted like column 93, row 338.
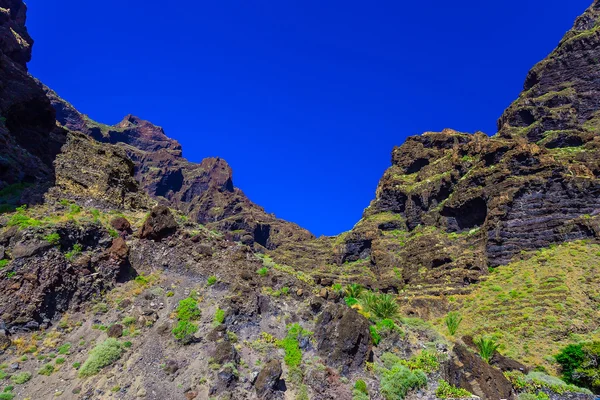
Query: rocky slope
column 133, row 273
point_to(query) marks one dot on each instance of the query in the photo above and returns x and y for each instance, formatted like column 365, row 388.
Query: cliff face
column 453, row 204
column 29, row 140
column 204, row 191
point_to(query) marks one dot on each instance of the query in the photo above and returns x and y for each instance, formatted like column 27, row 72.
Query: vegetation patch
column 448, row 391
column 291, row 344
column 101, row 356
column 186, row 312
column 536, row 381
column 396, row 379
column 581, row 365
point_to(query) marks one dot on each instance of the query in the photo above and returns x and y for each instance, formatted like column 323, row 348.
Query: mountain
column 128, row 272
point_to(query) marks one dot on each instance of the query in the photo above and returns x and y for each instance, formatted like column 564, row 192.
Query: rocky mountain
column 204, row 191
column 128, row 272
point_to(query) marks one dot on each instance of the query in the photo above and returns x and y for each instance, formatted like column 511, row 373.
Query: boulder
column 121, row 225
column 343, row 338
column 29, row 249
column 268, row 379
column 159, row 224
column 115, row 331
column 467, row 370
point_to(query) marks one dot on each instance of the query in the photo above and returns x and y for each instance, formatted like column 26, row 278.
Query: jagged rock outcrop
column 29, row 139
column 204, row 191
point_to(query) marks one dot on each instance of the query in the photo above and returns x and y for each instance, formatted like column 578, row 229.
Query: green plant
column 127, row 344
column 375, row 336
column 535, row 381
column 580, row 364
column 187, row 310
column 60, row 360
column 77, row 249
column 3, row 263
column 453, row 320
column 103, row 355
column 21, row 220
column 397, row 381
column 53, row 238
column 184, row 330
column 47, row 370
column 21, row 378
column 65, row 349
column 354, row 290
column 361, row 386
column 427, row 361
column 7, row 396
column 264, row 271
column 448, row 391
column 382, row 306
column 487, row 347
column 291, row 345
column 219, row 316
column 76, row 365
column 74, row 209
column 211, row 280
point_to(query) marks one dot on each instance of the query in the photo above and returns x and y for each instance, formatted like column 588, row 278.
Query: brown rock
column 468, row 371
column 121, row 225
column 191, row 395
column 324, row 293
column 159, row 224
column 115, row 331
column 119, row 249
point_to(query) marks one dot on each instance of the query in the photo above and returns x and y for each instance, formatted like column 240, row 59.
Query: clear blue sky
column 304, row 98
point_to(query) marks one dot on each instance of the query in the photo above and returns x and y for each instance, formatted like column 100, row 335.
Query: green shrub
column 293, row 354
column 77, row 249
column 382, row 306
column 65, row 349
column 219, row 316
column 7, row 396
column 187, row 310
column 74, row 209
column 103, row 355
column 447, row 391
column 3, row 263
column 21, row 220
column 21, row 378
column 396, row 382
column 487, row 347
column 358, row 395
column 453, row 320
column 47, row 370
column 375, row 335
column 354, row 290
column 264, row 271
column 427, row 361
column 361, row 386
column 535, row 381
column 76, row 365
column 211, row 280
column 184, row 330
column 60, row 360
column 53, row 238
column 580, row 364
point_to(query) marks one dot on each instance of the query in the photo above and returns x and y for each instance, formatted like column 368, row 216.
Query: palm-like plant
column 487, row 347
column 354, row 290
column 453, row 320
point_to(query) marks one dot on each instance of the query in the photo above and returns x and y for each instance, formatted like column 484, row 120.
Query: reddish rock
column 119, row 249
column 115, row 331
column 159, row 224
column 121, row 225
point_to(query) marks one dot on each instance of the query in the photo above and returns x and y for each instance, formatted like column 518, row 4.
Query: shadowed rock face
column 29, row 140
column 205, row 191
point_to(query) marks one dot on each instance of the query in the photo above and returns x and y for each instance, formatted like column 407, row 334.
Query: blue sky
column 305, row 99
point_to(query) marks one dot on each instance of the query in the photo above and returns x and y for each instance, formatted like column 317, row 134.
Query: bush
column 535, row 381
column 184, row 330
column 580, row 364
column 487, row 347
column 448, row 391
column 21, row 378
column 77, row 249
column 399, row 380
column 354, row 290
column 375, row 335
column 219, row 316
column 65, row 349
column 290, row 344
column 7, row 396
column 3, row 263
column 187, row 310
column 361, row 386
column 264, row 271
column 46, row 370
column 53, row 239
column 101, row 356
column 453, row 320
column 21, row 220
column 211, row 280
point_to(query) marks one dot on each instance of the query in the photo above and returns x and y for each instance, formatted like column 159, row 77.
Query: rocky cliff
column 203, row 191
column 129, row 272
